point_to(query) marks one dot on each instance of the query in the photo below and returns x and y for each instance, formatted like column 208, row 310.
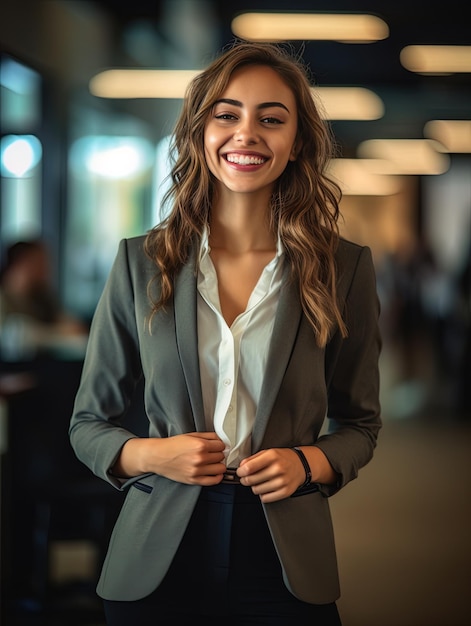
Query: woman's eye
column 224, row 116
column 271, row 120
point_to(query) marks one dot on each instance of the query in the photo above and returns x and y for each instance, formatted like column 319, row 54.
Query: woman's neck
column 241, row 224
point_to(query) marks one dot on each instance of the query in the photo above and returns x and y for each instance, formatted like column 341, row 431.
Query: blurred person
column 250, row 320
column 31, row 316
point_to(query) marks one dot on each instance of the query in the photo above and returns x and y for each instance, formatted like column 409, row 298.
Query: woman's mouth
column 245, row 159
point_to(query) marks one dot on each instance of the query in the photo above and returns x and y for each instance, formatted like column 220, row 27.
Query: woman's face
column 251, row 131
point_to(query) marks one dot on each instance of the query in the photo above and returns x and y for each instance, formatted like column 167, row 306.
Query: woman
column 250, row 320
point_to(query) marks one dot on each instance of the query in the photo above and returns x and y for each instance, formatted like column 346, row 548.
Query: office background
column 83, row 166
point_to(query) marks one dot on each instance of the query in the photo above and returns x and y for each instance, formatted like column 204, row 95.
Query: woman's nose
column 246, row 132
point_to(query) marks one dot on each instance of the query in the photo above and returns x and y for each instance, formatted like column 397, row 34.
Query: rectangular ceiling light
column 349, row 103
column 356, row 178
column 404, row 156
column 343, row 27
column 131, row 83
column 437, row 60
column 453, row 135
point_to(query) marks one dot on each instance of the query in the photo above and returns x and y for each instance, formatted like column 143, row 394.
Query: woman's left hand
column 276, row 473
column 273, row 474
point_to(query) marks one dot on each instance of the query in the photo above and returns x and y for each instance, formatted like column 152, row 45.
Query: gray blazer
column 303, row 384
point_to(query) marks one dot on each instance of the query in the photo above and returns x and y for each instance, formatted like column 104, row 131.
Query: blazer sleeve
column 110, row 373
column 352, row 371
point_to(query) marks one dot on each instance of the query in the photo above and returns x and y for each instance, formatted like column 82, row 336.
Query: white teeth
column 245, row 160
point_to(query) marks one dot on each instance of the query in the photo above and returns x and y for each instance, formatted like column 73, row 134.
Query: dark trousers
column 226, row 571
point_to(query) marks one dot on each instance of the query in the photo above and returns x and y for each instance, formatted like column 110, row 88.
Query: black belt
column 230, row 477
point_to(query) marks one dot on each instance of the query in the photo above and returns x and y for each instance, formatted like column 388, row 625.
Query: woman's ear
column 295, row 150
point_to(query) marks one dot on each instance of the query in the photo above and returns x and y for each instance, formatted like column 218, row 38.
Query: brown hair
column 305, row 202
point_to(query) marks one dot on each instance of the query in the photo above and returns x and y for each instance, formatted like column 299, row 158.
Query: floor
column 404, row 528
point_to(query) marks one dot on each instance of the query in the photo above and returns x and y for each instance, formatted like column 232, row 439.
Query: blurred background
column 90, row 91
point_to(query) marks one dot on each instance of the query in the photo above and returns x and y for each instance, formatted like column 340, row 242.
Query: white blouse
column 232, row 360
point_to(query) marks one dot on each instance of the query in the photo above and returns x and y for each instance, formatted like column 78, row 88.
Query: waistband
column 231, row 493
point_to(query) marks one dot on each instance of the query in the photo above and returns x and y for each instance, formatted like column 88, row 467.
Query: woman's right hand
column 195, row 458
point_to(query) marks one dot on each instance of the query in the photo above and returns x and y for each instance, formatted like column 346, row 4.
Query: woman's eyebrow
column 262, row 105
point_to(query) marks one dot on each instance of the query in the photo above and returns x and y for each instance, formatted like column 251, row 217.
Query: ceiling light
column 19, row 155
column 120, row 83
column 343, row 27
column 452, row 135
column 404, row 156
column 436, row 59
column 356, row 179
column 349, row 103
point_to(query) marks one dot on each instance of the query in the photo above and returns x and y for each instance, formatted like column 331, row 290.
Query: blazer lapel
column 287, row 320
column 185, row 299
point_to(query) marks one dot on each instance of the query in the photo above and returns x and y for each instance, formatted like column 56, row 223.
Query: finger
column 253, row 464
column 273, row 496
column 209, row 471
column 271, row 490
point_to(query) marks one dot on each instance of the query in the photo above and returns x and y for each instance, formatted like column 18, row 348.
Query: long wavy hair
column 304, row 202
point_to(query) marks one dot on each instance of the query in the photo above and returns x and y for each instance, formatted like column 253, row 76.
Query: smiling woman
column 249, row 320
